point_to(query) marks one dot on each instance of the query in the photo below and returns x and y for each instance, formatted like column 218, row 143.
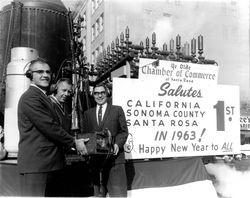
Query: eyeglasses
column 96, row 93
column 42, row 72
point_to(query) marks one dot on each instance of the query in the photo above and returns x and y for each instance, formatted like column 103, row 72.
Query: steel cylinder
column 16, row 84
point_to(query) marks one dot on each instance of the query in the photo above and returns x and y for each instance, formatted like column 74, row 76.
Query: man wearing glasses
column 111, row 117
column 40, row 154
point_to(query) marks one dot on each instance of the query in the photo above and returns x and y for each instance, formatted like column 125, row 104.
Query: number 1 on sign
column 220, row 114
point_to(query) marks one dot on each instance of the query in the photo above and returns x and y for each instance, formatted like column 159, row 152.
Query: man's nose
column 46, row 74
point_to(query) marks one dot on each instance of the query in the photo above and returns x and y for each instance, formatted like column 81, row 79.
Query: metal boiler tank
column 39, row 24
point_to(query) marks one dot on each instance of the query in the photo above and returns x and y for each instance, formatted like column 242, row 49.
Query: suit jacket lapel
column 94, row 116
column 55, row 102
column 38, row 91
column 44, row 97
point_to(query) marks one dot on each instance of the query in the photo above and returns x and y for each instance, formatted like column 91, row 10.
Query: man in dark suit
column 60, row 93
column 111, row 117
column 40, row 155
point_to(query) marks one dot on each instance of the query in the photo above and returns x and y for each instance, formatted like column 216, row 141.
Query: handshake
column 98, row 143
column 80, row 146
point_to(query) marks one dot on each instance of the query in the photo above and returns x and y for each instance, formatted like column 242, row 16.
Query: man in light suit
column 111, row 117
column 40, row 154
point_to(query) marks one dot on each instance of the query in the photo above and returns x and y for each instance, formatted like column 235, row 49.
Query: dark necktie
column 100, row 115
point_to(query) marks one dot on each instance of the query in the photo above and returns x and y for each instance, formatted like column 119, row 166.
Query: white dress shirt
column 104, row 107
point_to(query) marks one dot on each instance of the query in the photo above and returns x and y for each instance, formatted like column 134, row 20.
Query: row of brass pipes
column 124, row 50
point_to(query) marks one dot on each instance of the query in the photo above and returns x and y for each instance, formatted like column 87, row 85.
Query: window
column 84, row 43
column 97, row 27
column 177, row 2
column 96, row 4
column 96, row 53
column 148, row 11
column 93, row 57
column 233, row 3
column 85, row 19
column 93, row 6
column 101, row 48
column 101, row 23
column 93, row 32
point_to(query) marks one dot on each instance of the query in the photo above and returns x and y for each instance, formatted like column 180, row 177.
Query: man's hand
column 116, row 149
column 80, row 146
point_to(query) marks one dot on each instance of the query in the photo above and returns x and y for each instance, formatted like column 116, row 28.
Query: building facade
column 223, row 24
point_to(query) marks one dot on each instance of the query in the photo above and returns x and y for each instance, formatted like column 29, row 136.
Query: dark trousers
column 111, row 179
column 117, row 181
column 42, row 184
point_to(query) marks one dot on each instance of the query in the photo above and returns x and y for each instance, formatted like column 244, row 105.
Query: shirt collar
column 55, row 99
column 32, row 84
column 104, row 106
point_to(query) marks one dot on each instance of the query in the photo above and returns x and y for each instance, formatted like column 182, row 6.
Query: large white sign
column 171, row 119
